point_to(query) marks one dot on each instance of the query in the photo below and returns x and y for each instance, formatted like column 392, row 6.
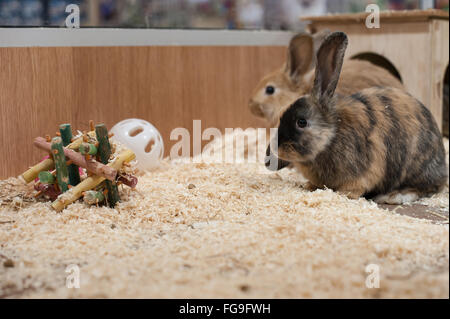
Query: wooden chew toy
column 46, row 177
column 87, row 149
column 66, row 136
column 62, row 172
column 104, row 152
column 93, row 197
column 77, row 158
column 89, row 183
column 32, row 173
column 59, row 178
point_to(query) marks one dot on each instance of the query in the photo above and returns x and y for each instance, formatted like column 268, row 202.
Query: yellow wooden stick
column 32, row 173
column 89, row 183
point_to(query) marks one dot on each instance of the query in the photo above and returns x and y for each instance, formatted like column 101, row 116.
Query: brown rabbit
column 279, row 89
column 379, row 142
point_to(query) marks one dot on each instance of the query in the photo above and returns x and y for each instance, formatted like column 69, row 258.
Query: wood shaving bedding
column 220, row 231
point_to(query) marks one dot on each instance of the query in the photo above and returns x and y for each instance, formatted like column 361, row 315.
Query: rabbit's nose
column 255, row 108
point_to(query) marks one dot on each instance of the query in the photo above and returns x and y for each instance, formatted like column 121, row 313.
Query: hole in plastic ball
column 136, row 131
column 149, row 146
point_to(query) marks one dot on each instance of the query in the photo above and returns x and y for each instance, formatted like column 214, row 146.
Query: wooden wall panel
column 41, row 88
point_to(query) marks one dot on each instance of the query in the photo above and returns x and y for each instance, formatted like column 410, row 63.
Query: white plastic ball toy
column 143, row 139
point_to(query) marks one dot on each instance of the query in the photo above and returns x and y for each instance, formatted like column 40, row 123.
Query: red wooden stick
column 128, row 180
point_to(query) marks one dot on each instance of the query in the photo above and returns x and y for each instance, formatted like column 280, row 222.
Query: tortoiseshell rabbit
column 381, row 142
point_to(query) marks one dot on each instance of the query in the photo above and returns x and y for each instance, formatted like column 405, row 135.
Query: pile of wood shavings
column 220, row 231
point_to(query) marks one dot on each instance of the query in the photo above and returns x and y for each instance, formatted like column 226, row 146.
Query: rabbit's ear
column 300, row 56
column 329, row 64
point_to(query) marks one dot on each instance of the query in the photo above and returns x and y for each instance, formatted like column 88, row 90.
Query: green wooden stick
column 62, row 171
column 88, row 149
column 66, row 136
column 104, row 151
column 45, row 177
column 93, row 197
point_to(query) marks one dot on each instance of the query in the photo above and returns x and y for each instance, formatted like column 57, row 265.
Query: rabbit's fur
column 380, row 142
column 295, row 78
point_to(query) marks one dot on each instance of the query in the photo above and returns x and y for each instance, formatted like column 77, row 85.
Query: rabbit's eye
column 270, row 90
column 301, row 123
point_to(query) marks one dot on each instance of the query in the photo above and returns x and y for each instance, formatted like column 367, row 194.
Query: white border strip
column 62, row 37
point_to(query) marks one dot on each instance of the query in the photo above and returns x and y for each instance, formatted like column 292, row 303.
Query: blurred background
column 186, row 14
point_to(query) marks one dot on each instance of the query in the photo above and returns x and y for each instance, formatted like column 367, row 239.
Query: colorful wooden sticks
column 58, row 177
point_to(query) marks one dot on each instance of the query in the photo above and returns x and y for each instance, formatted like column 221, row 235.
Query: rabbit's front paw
column 397, row 197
